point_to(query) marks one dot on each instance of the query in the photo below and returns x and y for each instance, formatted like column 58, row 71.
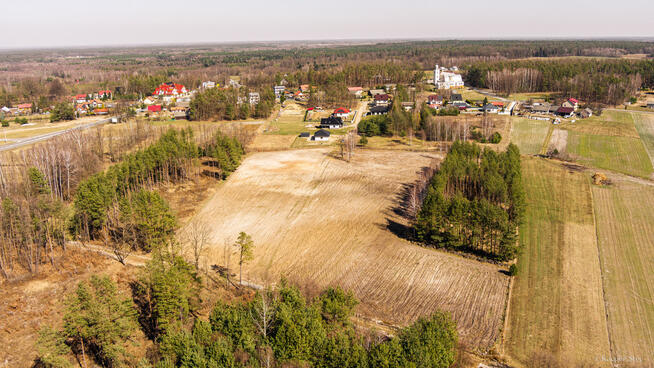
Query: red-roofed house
column 571, row 102
column 170, row 89
column 103, row 111
column 81, row 98
column 341, row 112
column 154, row 108
column 497, row 103
column 24, row 108
column 566, row 112
column 434, row 101
column 357, row 91
column 382, row 99
column 107, row 94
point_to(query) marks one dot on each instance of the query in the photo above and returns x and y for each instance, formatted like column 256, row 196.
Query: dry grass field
column 557, row 306
column 529, row 135
column 625, row 228
column 321, row 221
column 610, row 142
column 645, row 127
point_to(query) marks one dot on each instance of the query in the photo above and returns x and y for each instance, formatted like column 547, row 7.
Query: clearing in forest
column 626, row 239
column 556, row 303
column 321, row 221
column 529, row 135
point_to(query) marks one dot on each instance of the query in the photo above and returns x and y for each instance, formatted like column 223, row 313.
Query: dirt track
column 321, row 221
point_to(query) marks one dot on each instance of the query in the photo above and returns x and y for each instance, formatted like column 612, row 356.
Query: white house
column 279, row 90
column 254, row 98
column 341, row 112
column 208, row 85
column 446, row 80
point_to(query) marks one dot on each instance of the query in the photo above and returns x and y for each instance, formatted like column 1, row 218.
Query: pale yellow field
column 322, row 221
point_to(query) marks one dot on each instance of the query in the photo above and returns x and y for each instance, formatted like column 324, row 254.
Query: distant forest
column 48, row 75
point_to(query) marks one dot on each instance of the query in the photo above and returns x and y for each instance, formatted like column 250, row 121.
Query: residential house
column 456, row 98
column 491, row 108
column 170, row 89
column 565, row 112
column 208, row 85
column 331, row 122
column 81, row 98
column 154, row 108
column 179, row 112
column 586, row 113
column 149, row 100
column 279, row 90
column 321, row 135
column 375, row 92
column 25, row 109
column 101, row 111
column 305, row 135
column 357, row 91
column 105, row 94
column 382, row 99
column 650, row 105
column 378, row 110
column 234, row 81
column 446, row 80
column 407, row 106
column 571, row 102
column 341, row 112
column 254, row 98
column 305, row 88
column 460, row 105
column 435, row 101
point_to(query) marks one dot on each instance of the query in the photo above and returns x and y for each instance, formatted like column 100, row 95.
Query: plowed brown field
column 321, row 221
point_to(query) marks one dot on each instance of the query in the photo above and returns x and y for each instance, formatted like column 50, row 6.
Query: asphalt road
column 44, row 137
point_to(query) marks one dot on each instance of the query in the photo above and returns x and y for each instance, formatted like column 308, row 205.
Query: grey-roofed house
column 378, row 110
column 321, row 135
column 332, row 122
column 305, row 135
column 456, row 97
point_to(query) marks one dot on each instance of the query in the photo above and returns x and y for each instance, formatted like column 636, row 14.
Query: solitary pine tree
column 244, row 245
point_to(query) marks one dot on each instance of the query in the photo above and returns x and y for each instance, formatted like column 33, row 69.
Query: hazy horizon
column 45, row 24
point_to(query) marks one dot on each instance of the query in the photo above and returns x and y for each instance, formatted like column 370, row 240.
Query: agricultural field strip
column 645, row 127
column 557, row 304
column 626, row 243
column 321, row 221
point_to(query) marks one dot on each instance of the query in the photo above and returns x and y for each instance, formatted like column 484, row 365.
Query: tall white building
column 446, row 80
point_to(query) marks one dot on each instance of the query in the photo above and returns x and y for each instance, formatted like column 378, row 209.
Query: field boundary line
column 599, row 256
column 543, row 149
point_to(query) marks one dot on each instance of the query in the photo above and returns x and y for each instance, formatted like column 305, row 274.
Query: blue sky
column 54, row 23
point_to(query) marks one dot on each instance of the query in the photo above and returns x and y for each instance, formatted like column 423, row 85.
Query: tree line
column 609, row 81
column 475, row 202
column 276, row 327
column 219, row 104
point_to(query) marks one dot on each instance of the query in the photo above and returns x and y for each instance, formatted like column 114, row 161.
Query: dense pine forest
column 475, row 202
column 609, row 81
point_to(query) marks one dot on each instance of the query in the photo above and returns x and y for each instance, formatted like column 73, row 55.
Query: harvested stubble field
column 626, row 238
column 321, row 221
column 557, row 306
